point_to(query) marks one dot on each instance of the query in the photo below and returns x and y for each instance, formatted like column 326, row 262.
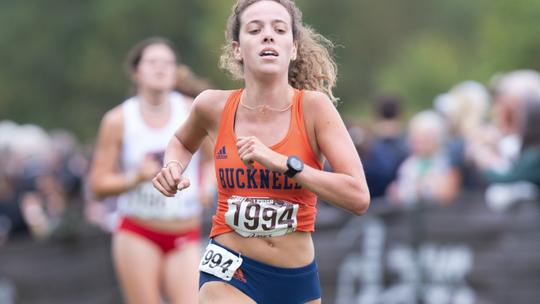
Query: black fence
column 457, row 254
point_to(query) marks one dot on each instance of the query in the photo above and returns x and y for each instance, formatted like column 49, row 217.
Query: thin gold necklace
column 264, row 108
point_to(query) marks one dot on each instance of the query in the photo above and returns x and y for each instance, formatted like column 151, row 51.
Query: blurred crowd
column 40, row 180
column 475, row 138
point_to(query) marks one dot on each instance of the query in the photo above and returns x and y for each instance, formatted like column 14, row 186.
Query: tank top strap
column 226, row 124
column 298, row 123
column 297, row 113
column 132, row 123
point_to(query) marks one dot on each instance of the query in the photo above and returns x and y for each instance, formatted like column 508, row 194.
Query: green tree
column 62, row 61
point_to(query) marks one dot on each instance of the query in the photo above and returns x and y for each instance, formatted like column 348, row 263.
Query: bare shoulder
column 318, row 111
column 113, row 120
column 315, row 101
column 317, row 105
column 210, row 103
column 212, row 98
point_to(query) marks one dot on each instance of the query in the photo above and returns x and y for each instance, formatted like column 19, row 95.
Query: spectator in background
column 500, row 145
column 11, row 219
column 522, row 179
column 465, row 108
column 156, row 247
column 25, row 208
column 527, row 165
column 426, row 174
column 388, row 149
column 38, row 180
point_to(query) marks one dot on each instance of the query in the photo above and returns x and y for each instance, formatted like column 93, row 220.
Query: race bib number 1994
column 261, row 217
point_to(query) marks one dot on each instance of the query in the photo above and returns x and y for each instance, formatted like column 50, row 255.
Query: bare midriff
column 289, row 251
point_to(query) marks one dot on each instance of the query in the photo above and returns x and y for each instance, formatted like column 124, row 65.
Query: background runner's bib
column 145, row 201
column 140, row 141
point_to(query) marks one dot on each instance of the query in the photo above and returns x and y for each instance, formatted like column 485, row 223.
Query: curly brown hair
column 314, row 67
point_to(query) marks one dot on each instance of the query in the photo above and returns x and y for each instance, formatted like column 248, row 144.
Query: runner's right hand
column 170, row 180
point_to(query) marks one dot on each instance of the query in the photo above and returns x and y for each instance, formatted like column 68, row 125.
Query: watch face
column 296, row 164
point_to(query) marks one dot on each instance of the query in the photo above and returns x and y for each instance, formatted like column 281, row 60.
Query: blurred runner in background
column 157, row 243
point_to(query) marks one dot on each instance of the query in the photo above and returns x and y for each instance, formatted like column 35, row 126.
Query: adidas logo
column 222, row 153
column 239, row 275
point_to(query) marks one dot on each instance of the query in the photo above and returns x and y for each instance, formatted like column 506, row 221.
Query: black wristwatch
column 294, row 165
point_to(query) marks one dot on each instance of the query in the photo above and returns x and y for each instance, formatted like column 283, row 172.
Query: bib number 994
column 219, row 262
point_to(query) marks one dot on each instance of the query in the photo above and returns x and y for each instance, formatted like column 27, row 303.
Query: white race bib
column 261, row 217
column 219, row 262
column 145, row 201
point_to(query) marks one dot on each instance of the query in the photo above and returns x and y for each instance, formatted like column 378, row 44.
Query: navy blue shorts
column 269, row 284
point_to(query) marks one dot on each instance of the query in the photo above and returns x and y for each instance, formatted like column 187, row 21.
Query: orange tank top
column 234, row 178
